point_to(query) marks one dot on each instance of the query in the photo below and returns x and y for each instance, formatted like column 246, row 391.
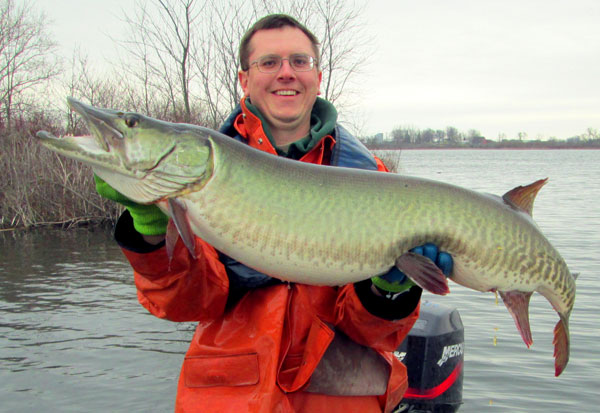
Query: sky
column 496, row 66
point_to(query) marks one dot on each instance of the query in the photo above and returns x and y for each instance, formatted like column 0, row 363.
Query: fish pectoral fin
column 178, row 213
column 517, row 303
column 561, row 346
column 423, row 272
column 171, row 239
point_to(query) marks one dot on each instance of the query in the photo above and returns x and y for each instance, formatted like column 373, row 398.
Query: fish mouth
column 97, row 147
column 100, row 122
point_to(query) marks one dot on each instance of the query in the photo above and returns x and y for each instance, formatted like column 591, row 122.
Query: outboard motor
column 433, row 353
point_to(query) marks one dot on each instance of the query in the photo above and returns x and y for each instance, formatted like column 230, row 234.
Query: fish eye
column 132, row 121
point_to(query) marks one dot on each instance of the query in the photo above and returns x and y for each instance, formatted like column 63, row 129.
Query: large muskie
column 318, row 224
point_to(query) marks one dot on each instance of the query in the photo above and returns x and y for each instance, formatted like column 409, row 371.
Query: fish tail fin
column 517, row 303
column 561, row 345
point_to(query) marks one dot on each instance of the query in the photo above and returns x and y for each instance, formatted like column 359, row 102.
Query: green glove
column 393, row 282
column 147, row 219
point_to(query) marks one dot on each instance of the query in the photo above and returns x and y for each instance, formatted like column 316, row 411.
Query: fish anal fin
column 178, row 213
column 423, row 272
column 561, row 346
column 517, row 303
column 522, row 197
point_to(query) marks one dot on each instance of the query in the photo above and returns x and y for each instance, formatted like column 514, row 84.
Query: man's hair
column 273, row 21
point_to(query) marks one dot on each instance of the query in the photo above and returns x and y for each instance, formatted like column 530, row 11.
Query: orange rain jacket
column 258, row 354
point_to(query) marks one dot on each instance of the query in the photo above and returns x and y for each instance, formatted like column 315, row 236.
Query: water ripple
column 73, row 336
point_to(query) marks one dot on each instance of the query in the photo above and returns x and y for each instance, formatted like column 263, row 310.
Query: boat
column 433, row 353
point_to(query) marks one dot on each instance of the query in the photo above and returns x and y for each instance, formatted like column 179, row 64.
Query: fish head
column 143, row 158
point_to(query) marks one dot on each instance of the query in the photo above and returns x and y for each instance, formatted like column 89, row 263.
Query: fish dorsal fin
column 522, row 197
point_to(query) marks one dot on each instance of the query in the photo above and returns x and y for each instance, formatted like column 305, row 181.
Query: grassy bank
column 39, row 188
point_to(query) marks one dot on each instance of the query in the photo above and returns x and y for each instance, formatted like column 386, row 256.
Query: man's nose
column 286, row 70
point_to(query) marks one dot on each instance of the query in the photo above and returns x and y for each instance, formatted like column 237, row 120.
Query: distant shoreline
column 493, row 149
column 488, row 148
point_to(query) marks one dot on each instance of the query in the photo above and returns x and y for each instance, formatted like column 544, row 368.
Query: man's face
column 284, row 98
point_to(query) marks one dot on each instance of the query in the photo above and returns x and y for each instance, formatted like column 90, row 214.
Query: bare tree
column 25, row 55
column 338, row 25
column 216, row 59
column 187, row 53
column 161, row 38
column 97, row 87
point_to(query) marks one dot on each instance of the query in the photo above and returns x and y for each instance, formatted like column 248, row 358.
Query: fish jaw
column 138, row 142
column 100, row 122
column 103, row 147
column 143, row 158
column 85, row 149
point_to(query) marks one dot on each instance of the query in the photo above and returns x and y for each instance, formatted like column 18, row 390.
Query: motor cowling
column 433, row 353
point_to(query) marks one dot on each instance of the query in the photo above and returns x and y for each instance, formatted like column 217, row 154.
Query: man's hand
column 148, row 220
column 395, row 282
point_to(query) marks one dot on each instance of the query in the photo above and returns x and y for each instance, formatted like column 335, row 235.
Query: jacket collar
column 249, row 124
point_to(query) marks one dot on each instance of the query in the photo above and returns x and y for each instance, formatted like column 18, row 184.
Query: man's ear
column 320, row 79
column 243, row 79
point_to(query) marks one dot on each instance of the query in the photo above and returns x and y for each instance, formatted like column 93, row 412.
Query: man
column 262, row 345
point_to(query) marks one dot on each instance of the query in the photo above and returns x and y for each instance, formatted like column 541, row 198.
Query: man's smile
column 286, row 92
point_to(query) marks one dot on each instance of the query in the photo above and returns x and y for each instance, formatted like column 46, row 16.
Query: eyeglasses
column 300, row 62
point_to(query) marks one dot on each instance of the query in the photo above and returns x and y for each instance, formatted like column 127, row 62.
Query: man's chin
column 285, row 118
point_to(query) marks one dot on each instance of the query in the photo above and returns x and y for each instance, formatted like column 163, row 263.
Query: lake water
column 73, row 337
